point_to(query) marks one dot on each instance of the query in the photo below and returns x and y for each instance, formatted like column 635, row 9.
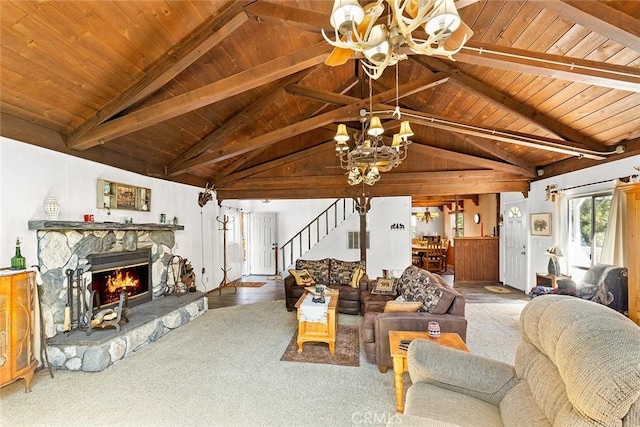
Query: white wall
column 390, row 249
column 28, row 174
column 536, row 203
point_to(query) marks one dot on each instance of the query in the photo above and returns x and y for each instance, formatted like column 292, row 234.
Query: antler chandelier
column 356, row 29
column 371, row 155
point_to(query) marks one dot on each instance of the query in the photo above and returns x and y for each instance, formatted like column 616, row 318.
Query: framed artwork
column 541, row 224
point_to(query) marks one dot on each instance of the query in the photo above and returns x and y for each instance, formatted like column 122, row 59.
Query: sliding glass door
column 588, row 218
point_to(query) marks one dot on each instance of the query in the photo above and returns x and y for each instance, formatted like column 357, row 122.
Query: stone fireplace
column 98, row 253
column 66, row 245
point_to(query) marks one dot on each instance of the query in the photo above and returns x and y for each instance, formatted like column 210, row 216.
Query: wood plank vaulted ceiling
column 236, row 93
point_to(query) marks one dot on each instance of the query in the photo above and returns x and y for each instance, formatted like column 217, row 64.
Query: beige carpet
column 347, row 349
column 224, row 369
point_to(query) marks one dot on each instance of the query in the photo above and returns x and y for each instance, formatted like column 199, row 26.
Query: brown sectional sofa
column 334, row 273
column 449, row 313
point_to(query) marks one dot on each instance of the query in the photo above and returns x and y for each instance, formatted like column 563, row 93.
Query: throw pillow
column 402, row 307
column 384, row 286
column 430, row 297
column 340, row 272
column 303, row 278
column 355, row 278
column 446, row 299
column 318, row 269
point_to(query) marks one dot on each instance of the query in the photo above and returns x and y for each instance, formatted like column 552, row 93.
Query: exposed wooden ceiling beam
column 632, row 148
column 181, row 56
column 432, row 201
column 404, row 90
column 514, row 107
column 555, row 66
column 517, row 138
column 422, row 178
column 336, row 186
column 206, row 95
column 342, row 90
column 283, row 161
column 236, row 121
column 599, row 18
column 236, row 148
column 292, row 17
column 442, row 123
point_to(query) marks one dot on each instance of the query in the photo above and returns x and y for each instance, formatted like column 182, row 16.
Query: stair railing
column 316, row 230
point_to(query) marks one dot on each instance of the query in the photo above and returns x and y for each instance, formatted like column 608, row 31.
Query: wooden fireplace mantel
column 80, row 225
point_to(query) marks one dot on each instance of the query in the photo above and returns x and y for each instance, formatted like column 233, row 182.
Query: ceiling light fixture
column 356, row 29
column 427, row 216
column 371, row 155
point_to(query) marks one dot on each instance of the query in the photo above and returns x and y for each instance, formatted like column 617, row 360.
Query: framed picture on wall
column 541, row 224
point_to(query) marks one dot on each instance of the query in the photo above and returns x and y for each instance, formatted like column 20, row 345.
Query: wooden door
column 261, row 243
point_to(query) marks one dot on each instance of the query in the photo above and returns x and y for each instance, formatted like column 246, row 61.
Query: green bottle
column 18, row 262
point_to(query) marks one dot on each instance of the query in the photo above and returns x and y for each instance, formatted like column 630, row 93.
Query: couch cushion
column 444, row 406
column 318, row 269
column 519, row 405
column 303, row 278
column 340, row 272
column 402, row 306
column 347, row 293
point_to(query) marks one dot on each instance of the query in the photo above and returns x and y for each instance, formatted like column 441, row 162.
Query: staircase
column 316, row 230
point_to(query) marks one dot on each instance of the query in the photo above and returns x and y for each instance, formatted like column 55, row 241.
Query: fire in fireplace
column 113, row 272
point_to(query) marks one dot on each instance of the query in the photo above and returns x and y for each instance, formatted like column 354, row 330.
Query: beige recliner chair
column 578, row 364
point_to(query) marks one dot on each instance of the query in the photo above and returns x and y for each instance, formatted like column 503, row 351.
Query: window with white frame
column 588, row 216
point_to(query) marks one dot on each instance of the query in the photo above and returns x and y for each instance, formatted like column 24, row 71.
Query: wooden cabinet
column 477, row 259
column 17, row 301
column 633, row 248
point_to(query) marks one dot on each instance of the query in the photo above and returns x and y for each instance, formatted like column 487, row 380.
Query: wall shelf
column 80, row 225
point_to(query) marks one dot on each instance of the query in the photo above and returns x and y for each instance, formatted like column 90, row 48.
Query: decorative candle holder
column 434, row 329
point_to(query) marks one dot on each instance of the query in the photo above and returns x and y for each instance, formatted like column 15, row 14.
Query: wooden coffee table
column 400, row 364
column 319, row 332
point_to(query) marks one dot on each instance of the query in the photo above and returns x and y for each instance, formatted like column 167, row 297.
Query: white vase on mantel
column 52, row 208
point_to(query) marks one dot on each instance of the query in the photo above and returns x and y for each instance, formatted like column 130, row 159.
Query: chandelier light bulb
column 346, row 15
column 341, row 134
column 379, row 40
column 445, row 20
column 405, row 131
column 397, row 142
column 375, row 127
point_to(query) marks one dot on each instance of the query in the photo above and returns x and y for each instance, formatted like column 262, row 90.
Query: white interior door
column 515, row 247
column 261, row 243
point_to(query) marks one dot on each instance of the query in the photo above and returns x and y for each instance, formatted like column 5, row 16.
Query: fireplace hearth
column 114, row 272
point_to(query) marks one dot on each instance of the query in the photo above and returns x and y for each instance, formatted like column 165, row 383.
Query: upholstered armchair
column 577, row 364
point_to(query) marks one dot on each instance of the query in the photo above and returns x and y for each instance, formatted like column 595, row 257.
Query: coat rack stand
column 225, row 279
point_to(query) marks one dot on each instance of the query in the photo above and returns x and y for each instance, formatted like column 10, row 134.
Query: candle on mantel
column 482, row 229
